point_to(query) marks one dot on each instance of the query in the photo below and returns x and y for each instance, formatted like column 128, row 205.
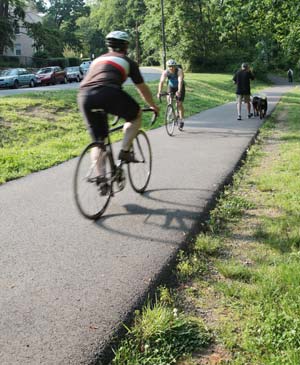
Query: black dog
column 260, row 106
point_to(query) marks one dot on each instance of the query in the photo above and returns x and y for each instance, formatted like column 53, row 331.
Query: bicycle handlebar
column 154, row 117
column 166, row 94
column 147, row 109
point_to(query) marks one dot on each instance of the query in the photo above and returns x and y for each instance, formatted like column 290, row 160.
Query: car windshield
column 70, row 69
column 9, row 72
column 45, row 70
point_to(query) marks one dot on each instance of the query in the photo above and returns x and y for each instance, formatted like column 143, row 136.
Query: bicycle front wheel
column 139, row 171
column 93, row 181
column 170, row 119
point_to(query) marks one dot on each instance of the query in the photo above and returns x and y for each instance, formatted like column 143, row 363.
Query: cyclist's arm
column 146, row 94
column 180, row 81
column 161, row 83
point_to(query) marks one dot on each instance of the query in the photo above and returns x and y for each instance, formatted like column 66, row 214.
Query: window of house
column 18, row 49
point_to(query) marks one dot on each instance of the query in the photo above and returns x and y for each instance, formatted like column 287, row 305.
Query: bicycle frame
column 93, row 188
column 170, row 100
column 116, row 128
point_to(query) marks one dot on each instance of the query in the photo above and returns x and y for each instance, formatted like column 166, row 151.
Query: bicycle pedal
column 120, row 178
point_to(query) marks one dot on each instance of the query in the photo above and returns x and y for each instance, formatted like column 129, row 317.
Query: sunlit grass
column 256, row 293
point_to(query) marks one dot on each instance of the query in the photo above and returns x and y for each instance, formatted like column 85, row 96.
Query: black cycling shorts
column 111, row 100
column 175, row 89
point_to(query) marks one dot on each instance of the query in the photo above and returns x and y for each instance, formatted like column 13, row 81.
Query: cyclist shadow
column 173, row 218
column 150, row 194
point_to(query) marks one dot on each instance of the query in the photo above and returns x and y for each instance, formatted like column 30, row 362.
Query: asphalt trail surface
column 66, row 283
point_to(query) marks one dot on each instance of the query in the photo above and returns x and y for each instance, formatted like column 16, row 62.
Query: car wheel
column 31, row 83
column 53, row 82
column 78, row 79
column 16, row 84
column 65, row 80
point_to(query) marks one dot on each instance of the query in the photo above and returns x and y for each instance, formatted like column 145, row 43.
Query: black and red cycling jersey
column 111, row 69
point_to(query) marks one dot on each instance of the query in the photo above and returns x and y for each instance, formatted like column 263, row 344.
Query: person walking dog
column 243, row 89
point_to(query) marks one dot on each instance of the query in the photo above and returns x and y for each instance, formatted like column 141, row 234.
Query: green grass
column 161, row 335
column 258, row 289
column 42, row 129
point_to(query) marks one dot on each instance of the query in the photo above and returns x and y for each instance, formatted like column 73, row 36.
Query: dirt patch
column 38, row 111
column 4, row 123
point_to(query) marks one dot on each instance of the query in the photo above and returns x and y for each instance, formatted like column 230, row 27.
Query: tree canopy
column 215, row 35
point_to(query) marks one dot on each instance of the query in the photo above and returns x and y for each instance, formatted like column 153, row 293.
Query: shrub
column 58, row 61
column 9, row 61
column 73, row 61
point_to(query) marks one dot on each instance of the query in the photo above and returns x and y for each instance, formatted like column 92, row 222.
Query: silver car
column 85, row 66
column 74, row 73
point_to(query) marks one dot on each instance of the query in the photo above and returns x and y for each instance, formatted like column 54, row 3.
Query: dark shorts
column 110, row 100
column 174, row 89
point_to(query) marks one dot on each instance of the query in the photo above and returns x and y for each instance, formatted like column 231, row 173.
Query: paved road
column 66, row 284
column 149, row 73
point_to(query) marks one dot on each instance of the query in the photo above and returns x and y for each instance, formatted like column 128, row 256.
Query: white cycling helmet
column 171, row 63
column 117, row 40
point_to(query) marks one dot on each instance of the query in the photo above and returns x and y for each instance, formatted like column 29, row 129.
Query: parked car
column 51, row 75
column 85, row 66
column 16, row 77
column 74, row 73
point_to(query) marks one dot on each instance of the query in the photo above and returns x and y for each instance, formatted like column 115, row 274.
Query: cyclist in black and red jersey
column 102, row 89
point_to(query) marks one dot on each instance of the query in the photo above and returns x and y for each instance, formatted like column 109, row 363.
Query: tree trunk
column 137, row 44
column 3, row 15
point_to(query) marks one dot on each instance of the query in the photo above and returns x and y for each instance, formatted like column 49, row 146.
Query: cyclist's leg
column 130, row 131
column 180, row 109
column 92, row 109
column 180, row 106
column 180, row 103
column 96, row 120
column 127, row 108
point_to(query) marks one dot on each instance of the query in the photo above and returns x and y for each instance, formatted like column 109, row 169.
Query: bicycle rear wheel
column 139, row 172
column 170, row 119
column 92, row 192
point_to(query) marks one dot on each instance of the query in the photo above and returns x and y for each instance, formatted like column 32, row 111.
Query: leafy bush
column 58, row 61
column 9, row 61
column 260, row 70
column 40, row 59
column 73, row 61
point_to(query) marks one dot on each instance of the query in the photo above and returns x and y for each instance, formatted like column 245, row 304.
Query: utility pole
column 163, row 32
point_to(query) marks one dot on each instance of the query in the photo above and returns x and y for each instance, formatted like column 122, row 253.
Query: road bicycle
column 98, row 177
column 172, row 113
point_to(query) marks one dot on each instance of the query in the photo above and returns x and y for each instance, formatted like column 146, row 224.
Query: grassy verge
column 41, row 129
column 240, row 282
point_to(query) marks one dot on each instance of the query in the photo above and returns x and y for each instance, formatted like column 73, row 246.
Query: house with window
column 23, row 43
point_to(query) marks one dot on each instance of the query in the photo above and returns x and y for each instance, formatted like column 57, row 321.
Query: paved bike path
column 66, row 283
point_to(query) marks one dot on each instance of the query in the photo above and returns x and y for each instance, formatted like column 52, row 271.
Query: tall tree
column 63, row 15
column 11, row 12
column 46, row 39
column 63, row 11
column 125, row 15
